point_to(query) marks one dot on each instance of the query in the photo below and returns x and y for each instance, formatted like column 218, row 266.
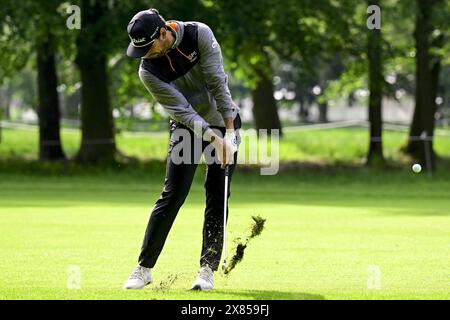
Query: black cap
column 143, row 29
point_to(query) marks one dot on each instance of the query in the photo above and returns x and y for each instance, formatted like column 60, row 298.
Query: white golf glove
column 225, row 149
column 230, row 138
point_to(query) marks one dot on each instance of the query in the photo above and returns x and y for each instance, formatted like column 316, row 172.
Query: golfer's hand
column 230, row 137
column 224, row 151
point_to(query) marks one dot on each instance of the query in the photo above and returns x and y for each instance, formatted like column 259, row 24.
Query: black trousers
column 177, row 184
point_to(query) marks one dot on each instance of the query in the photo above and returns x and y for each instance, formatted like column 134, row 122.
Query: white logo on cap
column 137, row 41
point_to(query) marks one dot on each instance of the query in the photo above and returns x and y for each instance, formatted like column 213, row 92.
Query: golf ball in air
column 417, row 168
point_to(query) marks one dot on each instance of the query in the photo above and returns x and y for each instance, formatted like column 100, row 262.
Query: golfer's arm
column 174, row 103
column 229, row 123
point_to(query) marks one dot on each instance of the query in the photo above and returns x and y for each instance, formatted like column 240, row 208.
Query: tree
column 31, row 25
column 50, row 147
column 264, row 105
column 423, row 119
column 246, row 36
column 97, row 130
column 312, row 37
column 375, row 75
column 103, row 35
column 5, row 101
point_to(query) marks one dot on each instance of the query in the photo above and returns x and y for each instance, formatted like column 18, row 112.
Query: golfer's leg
column 213, row 223
column 176, row 187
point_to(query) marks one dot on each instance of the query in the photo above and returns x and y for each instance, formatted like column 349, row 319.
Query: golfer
column 182, row 67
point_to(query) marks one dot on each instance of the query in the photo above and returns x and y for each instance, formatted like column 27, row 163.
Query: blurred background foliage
column 290, row 63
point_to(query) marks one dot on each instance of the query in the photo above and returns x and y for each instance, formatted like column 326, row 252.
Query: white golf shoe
column 140, row 277
column 205, row 279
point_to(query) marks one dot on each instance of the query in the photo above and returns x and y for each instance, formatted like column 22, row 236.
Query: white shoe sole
column 136, row 288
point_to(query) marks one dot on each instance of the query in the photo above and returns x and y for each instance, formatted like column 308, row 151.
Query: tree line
column 327, row 43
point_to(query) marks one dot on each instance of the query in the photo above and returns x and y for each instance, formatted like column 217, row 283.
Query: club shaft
column 225, row 204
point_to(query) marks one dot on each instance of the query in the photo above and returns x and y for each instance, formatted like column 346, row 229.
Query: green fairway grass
column 324, row 234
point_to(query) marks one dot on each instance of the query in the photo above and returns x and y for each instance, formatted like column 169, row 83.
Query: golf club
column 225, row 204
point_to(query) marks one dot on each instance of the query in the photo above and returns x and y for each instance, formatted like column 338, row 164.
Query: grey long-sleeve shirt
column 190, row 81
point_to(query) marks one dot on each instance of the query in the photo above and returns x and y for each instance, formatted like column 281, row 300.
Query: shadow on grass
column 256, row 295
column 394, row 191
column 317, row 171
